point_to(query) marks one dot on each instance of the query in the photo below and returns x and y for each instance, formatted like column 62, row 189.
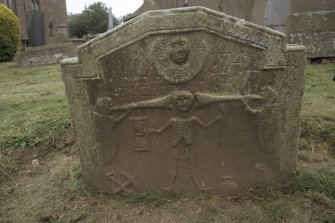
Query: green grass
column 279, row 211
column 317, row 185
column 161, row 198
column 277, row 201
column 33, row 106
column 320, row 181
column 318, row 113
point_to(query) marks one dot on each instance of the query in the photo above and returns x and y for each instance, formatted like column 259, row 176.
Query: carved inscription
column 139, row 131
column 233, row 69
column 230, row 62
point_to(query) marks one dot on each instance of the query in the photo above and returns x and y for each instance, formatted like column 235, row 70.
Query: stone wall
column 55, row 25
column 44, row 55
column 258, row 12
column 275, row 14
column 301, row 6
column 239, row 8
column 315, row 30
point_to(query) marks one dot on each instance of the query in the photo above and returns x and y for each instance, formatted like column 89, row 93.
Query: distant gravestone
column 110, row 18
column 315, row 30
column 239, row 8
column 276, row 13
column 207, row 104
column 302, row 6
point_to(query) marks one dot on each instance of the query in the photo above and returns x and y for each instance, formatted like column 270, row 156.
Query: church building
column 42, row 22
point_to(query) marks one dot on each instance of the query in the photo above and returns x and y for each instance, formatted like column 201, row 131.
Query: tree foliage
column 92, row 20
column 97, row 18
column 77, row 25
column 9, row 34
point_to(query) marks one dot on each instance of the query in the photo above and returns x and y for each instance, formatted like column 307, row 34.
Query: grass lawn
column 318, row 113
column 33, row 106
column 34, row 111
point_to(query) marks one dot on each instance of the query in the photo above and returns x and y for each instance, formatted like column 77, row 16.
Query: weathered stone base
column 45, row 55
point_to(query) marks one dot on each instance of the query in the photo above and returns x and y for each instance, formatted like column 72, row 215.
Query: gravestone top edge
column 295, row 48
column 176, row 11
column 288, row 48
column 313, row 13
column 69, row 61
column 49, row 47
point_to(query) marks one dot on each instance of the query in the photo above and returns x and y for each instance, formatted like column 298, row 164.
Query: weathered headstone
column 44, row 55
column 315, row 30
column 302, row 6
column 188, row 100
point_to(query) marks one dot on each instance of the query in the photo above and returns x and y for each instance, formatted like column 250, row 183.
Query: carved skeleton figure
column 182, row 125
column 182, row 128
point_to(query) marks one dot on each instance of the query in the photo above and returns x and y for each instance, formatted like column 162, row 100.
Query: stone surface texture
column 315, row 30
column 187, row 100
column 302, row 6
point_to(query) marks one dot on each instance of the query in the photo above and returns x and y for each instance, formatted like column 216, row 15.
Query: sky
column 120, row 7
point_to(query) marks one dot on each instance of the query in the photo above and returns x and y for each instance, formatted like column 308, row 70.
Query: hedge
column 9, row 34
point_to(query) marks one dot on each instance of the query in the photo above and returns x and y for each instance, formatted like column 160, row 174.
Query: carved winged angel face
column 183, row 100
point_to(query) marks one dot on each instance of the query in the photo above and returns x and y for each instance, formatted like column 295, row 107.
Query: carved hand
column 149, row 131
column 253, row 111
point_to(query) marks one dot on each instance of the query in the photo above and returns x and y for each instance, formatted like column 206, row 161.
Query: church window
column 51, row 27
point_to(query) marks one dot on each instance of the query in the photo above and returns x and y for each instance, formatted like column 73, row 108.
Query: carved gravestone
column 186, row 100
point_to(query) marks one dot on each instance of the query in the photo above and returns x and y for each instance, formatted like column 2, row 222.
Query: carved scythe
column 162, row 103
column 204, row 99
